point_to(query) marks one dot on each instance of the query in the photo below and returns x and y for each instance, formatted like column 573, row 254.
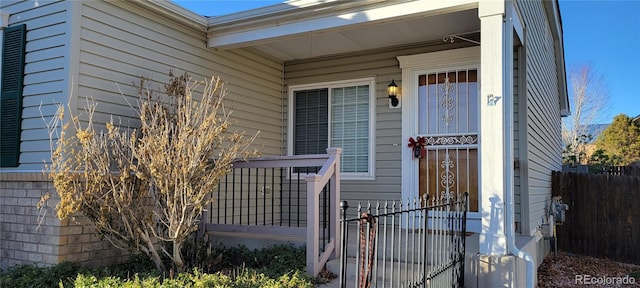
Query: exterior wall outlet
column 266, row 191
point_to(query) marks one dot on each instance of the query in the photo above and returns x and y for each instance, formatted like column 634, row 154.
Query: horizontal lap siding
column 121, row 42
column 45, row 81
column 383, row 66
column 543, row 109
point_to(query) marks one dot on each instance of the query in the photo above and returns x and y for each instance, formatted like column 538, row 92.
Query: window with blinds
column 350, row 126
column 311, row 124
column 335, row 115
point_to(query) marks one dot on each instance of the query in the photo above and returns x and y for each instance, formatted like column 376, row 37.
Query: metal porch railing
column 397, row 246
column 285, row 197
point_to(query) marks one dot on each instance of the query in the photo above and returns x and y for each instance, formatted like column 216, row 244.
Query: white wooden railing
column 321, row 243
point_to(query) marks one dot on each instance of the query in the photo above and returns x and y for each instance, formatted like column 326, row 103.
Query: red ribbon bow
column 419, row 141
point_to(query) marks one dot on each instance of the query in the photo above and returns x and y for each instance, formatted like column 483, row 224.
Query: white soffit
column 298, row 18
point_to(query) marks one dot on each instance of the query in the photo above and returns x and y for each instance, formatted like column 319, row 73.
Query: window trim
column 372, row 119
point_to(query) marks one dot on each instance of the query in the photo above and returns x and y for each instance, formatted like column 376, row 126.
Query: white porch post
column 492, row 129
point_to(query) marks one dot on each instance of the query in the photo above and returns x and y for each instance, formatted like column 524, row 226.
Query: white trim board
column 4, row 19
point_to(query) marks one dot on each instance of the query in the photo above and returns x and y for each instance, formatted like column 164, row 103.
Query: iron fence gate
column 410, row 244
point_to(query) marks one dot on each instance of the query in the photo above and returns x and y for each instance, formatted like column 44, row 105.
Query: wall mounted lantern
column 392, row 91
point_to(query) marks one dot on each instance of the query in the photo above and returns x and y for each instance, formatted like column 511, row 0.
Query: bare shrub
column 143, row 187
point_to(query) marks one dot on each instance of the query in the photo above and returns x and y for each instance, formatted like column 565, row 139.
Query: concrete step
column 334, row 266
column 384, row 273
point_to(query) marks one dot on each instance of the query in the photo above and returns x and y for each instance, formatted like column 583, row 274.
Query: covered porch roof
column 303, row 29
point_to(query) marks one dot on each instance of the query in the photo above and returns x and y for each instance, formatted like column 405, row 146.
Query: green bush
column 29, row 276
column 278, row 266
column 245, row 278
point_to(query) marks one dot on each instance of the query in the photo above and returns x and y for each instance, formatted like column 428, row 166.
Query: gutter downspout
column 511, row 240
column 508, row 101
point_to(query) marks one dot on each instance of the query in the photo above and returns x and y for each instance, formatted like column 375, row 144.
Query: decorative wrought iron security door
column 448, row 121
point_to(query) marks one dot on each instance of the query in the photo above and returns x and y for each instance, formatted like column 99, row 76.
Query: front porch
column 296, row 199
column 326, row 47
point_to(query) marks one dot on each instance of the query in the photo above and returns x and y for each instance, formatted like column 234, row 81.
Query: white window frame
column 370, row 175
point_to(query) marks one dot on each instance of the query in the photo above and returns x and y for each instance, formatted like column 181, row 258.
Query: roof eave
column 175, row 12
column 552, row 9
column 284, row 12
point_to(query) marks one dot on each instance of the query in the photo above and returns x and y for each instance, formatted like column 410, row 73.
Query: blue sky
column 223, row 7
column 606, row 34
column 603, row 34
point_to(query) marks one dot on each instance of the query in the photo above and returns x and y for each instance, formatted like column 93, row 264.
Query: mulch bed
column 567, row 269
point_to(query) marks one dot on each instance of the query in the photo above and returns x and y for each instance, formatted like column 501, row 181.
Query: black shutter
column 13, row 52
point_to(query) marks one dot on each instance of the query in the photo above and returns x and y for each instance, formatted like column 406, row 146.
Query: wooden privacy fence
column 604, row 215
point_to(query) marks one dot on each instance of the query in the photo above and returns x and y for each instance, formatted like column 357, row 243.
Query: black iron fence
column 265, row 196
column 410, row 244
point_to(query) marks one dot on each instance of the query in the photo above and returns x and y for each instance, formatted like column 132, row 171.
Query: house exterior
column 482, row 81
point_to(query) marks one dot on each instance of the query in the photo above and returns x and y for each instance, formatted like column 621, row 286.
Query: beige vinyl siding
column 121, row 41
column 543, row 109
column 45, row 83
column 383, row 66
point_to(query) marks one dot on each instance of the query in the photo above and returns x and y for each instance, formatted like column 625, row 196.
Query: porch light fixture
column 392, row 91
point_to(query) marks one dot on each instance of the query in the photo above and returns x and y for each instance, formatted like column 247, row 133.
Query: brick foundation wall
column 31, row 236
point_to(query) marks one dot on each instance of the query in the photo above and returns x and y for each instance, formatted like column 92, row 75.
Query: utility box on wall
column 557, row 208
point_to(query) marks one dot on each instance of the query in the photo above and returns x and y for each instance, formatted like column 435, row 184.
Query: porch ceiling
column 314, row 44
column 344, row 31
